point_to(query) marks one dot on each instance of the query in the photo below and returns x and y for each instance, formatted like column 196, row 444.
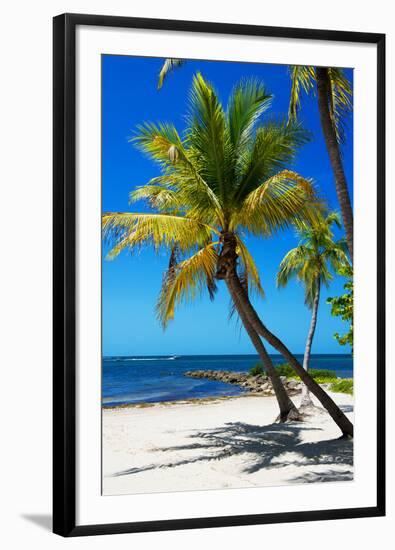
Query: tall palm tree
column 226, row 177
column 334, row 100
column 312, row 263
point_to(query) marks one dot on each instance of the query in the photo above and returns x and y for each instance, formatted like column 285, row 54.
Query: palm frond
column 292, row 263
column 169, row 65
column 159, row 141
column 277, row 203
column 340, row 93
column 248, row 100
column 274, row 149
column 131, row 230
column 250, row 270
column 188, row 279
column 317, row 228
column 310, row 290
column 302, row 79
column 164, row 145
column 207, row 134
column 333, row 218
column 336, row 255
column 121, row 245
column 158, row 196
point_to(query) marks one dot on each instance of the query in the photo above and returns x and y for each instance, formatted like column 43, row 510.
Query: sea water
column 128, row 380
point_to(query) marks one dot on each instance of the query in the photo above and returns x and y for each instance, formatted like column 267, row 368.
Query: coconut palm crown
column 316, row 257
column 225, row 177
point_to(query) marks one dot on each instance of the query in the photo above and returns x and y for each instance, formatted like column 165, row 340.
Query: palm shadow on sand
column 262, row 446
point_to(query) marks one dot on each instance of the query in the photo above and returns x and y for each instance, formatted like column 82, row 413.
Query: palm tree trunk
column 226, row 269
column 288, row 410
column 334, row 155
column 306, row 398
column 327, row 402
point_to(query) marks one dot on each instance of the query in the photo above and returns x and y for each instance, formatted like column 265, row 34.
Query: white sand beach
column 220, row 444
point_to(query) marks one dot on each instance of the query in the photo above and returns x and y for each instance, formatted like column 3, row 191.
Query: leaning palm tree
column 225, row 178
column 334, row 100
column 312, row 263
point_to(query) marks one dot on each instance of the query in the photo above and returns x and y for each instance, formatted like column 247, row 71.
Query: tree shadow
column 264, row 447
column 326, row 475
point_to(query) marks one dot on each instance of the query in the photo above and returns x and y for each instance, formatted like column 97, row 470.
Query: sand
column 219, row 444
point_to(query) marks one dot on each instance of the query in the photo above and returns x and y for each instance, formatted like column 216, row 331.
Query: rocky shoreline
column 259, row 383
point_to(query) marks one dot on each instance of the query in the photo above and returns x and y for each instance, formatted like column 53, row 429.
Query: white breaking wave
column 172, row 358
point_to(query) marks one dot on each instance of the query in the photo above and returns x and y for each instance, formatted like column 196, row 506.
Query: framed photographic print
column 218, row 275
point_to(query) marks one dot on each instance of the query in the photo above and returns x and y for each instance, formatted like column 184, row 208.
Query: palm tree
column 227, row 177
column 334, row 100
column 334, row 92
column 311, row 263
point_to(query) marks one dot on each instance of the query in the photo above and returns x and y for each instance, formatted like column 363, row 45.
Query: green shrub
column 346, row 385
column 321, row 376
column 286, row 370
column 257, row 369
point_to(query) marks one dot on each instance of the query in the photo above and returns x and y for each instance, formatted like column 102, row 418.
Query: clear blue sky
column 131, row 282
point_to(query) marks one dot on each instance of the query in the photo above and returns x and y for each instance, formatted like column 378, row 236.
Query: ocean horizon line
column 216, row 355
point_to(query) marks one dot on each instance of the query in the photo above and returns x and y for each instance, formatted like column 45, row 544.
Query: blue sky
column 131, row 283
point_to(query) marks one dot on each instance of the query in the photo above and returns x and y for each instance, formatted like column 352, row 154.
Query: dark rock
column 258, row 383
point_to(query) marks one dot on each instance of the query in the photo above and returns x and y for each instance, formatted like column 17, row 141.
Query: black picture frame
column 64, row 274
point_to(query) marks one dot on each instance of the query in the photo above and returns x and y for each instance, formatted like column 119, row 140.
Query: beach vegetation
column 321, row 376
column 343, row 307
column 257, row 369
column 345, row 385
